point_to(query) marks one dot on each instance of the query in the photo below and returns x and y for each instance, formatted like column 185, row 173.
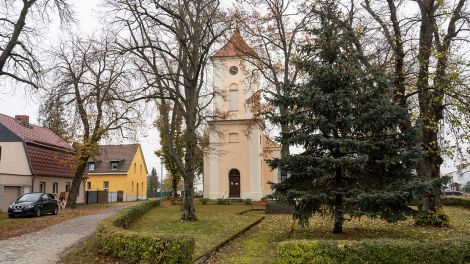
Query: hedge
column 455, row 201
column 113, row 238
column 374, row 251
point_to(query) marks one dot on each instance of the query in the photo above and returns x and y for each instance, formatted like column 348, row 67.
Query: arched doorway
column 234, row 183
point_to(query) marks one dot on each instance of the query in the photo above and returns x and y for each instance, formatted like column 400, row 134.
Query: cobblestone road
column 47, row 245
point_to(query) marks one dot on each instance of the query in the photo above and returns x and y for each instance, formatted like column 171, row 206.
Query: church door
column 234, row 183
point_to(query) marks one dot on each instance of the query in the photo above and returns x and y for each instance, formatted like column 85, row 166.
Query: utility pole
column 161, row 178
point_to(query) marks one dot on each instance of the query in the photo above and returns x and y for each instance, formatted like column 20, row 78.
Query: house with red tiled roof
column 33, row 159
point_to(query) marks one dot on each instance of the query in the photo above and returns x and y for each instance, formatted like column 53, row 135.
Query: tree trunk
column 77, row 180
column 189, row 212
column 174, row 185
column 338, row 227
column 429, row 166
column 284, row 146
column 283, row 111
column 339, row 215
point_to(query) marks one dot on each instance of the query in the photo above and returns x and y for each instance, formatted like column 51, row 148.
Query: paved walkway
column 47, row 245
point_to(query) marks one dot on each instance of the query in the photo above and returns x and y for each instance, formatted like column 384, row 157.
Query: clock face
column 233, row 70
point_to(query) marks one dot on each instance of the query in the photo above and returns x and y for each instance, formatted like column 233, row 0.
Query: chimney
column 23, row 119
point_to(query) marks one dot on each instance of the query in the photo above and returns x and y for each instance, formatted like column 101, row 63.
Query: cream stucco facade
column 235, row 165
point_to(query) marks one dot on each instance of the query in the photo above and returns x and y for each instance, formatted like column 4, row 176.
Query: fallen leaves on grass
column 24, row 225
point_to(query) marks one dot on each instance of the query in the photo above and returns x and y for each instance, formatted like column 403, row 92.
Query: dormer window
column 91, row 166
column 114, row 165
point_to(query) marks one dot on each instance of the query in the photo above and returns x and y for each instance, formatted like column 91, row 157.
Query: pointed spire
column 235, row 47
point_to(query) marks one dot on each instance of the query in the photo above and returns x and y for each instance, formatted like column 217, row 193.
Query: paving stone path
column 46, row 245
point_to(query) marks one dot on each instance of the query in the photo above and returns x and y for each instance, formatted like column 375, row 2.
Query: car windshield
column 30, row 197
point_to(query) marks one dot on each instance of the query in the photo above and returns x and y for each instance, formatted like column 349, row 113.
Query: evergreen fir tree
column 355, row 159
column 152, row 183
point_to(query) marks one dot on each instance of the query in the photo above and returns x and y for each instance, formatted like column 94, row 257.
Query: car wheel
column 38, row 212
column 56, row 210
column 11, row 216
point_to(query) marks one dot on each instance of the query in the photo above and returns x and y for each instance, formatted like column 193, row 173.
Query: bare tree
column 171, row 42
column 276, row 30
column 18, row 50
column 422, row 49
column 93, row 81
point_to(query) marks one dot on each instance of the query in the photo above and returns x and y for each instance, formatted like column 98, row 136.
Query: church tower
column 235, row 166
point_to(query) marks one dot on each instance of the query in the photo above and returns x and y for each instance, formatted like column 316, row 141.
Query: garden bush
column 278, row 207
column 437, row 218
column 112, row 238
column 389, row 251
column 223, row 201
column 204, row 200
column 247, row 202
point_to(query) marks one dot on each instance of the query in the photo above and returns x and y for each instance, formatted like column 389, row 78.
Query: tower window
column 233, row 100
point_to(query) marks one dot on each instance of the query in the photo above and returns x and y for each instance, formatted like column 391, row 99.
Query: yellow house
column 119, row 168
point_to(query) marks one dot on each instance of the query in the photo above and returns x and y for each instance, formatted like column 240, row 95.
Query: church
column 235, row 165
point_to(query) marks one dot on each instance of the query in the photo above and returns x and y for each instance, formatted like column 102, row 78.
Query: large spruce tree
column 355, row 160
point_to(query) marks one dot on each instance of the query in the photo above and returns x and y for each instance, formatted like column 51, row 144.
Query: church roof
column 235, row 47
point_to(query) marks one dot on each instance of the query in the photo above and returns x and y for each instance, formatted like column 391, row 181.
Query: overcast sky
column 87, row 13
column 18, row 101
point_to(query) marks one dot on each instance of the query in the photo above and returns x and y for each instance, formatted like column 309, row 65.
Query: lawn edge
column 206, row 256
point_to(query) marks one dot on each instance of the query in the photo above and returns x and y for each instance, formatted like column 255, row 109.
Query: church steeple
column 235, row 78
column 235, row 47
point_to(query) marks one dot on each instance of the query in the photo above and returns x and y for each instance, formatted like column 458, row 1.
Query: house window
column 88, row 185
column 140, row 168
column 114, row 165
column 67, row 186
column 233, row 138
column 132, row 186
column 42, row 187
column 55, row 187
column 233, row 100
column 0, row 153
column 135, row 168
column 106, row 185
column 91, row 166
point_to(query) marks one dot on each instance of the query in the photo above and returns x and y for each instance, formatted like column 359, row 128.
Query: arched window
column 140, row 168
column 233, row 138
column 135, row 168
column 233, row 97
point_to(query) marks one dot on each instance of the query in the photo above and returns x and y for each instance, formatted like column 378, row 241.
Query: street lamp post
column 161, row 179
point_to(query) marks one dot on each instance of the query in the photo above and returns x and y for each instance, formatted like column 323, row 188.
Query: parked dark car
column 34, row 204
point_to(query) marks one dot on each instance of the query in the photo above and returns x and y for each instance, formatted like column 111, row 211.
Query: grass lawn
column 19, row 226
column 215, row 224
column 259, row 245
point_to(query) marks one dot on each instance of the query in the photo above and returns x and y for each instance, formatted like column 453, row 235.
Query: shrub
column 454, row 201
column 374, row 251
column 175, row 200
column 223, row 201
column 112, row 238
column 278, row 207
column 436, row 218
column 204, row 200
column 247, row 202
column 129, row 215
